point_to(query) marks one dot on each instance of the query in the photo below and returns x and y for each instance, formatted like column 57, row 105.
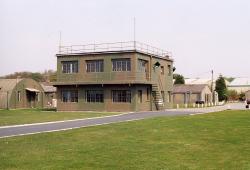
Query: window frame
column 72, row 96
column 169, row 70
column 95, row 97
column 94, row 66
column 139, row 96
column 70, row 67
column 121, row 65
column 18, row 96
column 121, row 96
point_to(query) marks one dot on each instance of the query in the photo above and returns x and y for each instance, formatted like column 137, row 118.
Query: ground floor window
column 139, row 96
column 121, row 96
column 169, row 96
column 163, row 96
column 94, row 96
column 69, row 96
column 19, row 96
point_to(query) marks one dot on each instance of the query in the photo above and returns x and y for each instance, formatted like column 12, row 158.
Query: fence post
column 7, row 100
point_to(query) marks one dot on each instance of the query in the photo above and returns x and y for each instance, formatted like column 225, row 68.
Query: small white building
column 241, row 85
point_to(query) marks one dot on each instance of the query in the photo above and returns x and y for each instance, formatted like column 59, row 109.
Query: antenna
column 60, row 41
column 134, row 35
column 134, row 28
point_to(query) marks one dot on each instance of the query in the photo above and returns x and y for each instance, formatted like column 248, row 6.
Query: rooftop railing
column 114, row 47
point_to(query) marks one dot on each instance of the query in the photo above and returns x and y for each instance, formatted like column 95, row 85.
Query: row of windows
column 96, row 65
column 92, row 96
column 117, row 65
column 96, row 96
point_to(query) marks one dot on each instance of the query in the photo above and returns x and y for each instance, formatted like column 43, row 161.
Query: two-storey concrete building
column 124, row 76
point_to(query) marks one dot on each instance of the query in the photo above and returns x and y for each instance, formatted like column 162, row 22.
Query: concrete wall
column 187, row 98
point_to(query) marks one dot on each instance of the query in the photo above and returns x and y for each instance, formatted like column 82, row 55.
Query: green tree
column 221, row 88
column 178, row 79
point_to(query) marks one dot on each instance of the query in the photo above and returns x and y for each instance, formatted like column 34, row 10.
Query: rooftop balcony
column 129, row 46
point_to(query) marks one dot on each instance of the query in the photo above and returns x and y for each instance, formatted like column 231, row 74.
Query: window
column 163, row 96
column 142, row 65
column 121, row 64
column 69, row 96
column 70, row 67
column 121, row 96
column 19, row 96
column 37, row 97
column 139, row 96
column 94, row 66
column 94, row 96
column 169, row 96
column 162, row 69
column 148, row 93
column 169, row 70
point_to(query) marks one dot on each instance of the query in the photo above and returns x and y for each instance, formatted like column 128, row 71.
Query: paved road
column 18, row 130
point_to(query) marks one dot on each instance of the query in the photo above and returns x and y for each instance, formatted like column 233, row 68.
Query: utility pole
column 212, row 80
column 7, row 100
column 212, row 88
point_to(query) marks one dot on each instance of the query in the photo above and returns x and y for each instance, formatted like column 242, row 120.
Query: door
column 31, row 99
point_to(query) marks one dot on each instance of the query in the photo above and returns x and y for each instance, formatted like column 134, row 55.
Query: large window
column 142, row 65
column 69, row 96
column 121, row 64
column 169, row 70
column 121, row 96
column 70, row 67
column 94, row 96
column 94, row 66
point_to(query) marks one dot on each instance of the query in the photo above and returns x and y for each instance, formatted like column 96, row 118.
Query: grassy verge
column 211, row 141
column 23, row 116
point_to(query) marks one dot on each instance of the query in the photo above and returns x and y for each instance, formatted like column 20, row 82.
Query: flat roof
column 117, row 47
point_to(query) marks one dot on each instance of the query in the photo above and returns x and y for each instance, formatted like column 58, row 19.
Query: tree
column 178, row 79
column 221, row 88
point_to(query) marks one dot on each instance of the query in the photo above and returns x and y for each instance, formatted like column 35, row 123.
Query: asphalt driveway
column 18, row 130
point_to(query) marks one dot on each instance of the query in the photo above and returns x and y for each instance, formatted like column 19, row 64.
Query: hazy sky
column 201, row 34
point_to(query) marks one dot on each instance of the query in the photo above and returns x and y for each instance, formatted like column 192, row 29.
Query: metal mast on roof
column 60, row 41
column 134, row 35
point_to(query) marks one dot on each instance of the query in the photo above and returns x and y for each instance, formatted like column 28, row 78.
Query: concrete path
column 18, row 130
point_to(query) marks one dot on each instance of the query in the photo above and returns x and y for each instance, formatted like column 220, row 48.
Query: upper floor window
column 94, row 66
column 162, row 69
column 142, row 64
column 121, row 64
column 69, row 96
column 70, row 66
column 94, row 96
column 169, row 70
column 121, row 96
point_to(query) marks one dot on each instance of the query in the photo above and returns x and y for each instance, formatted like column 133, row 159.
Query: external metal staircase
column 157, row 97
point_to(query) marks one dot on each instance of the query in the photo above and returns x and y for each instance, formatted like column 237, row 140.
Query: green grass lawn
column 23, row 116
column 210, row 141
